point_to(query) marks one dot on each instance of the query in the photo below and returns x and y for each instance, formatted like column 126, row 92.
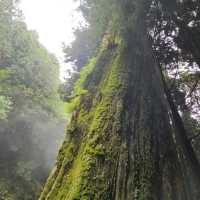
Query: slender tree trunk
column 120, row 144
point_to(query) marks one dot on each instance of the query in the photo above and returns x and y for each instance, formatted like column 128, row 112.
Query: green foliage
column 70, row 106
column 4, row 193
column 79, row 87
column 82, row 48
column 24, row 170
column 88, row 36
column 5, row 107
column 86, row 70
column 30, row 103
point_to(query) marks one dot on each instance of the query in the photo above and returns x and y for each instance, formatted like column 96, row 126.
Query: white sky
column 54, row 21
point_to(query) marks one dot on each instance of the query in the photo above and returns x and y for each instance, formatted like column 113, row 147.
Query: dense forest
column 131, row 105
column 31, row 116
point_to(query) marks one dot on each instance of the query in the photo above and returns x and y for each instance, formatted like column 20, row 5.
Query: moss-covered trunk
column 119, row 144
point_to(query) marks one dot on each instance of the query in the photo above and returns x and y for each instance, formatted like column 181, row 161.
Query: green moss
column 89, row 143
column 112, row 81
column 86, row 70
column 92, row 148
column 70, row 106
column 98, row 150
column 79, row 89
column 74, row 179
column 5, row 194
column 100, row 113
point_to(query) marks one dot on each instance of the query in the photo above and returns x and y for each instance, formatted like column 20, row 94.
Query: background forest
column 32, row 119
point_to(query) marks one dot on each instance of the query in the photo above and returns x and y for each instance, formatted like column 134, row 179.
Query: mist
column 32, row 116
column 32, row 138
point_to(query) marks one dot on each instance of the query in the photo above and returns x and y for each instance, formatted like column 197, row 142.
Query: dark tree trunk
column 120, row 144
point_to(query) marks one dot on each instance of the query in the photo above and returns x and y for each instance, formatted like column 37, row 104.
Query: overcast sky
column 53, row 20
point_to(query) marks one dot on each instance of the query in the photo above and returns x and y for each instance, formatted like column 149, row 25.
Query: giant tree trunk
column 120, row 144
